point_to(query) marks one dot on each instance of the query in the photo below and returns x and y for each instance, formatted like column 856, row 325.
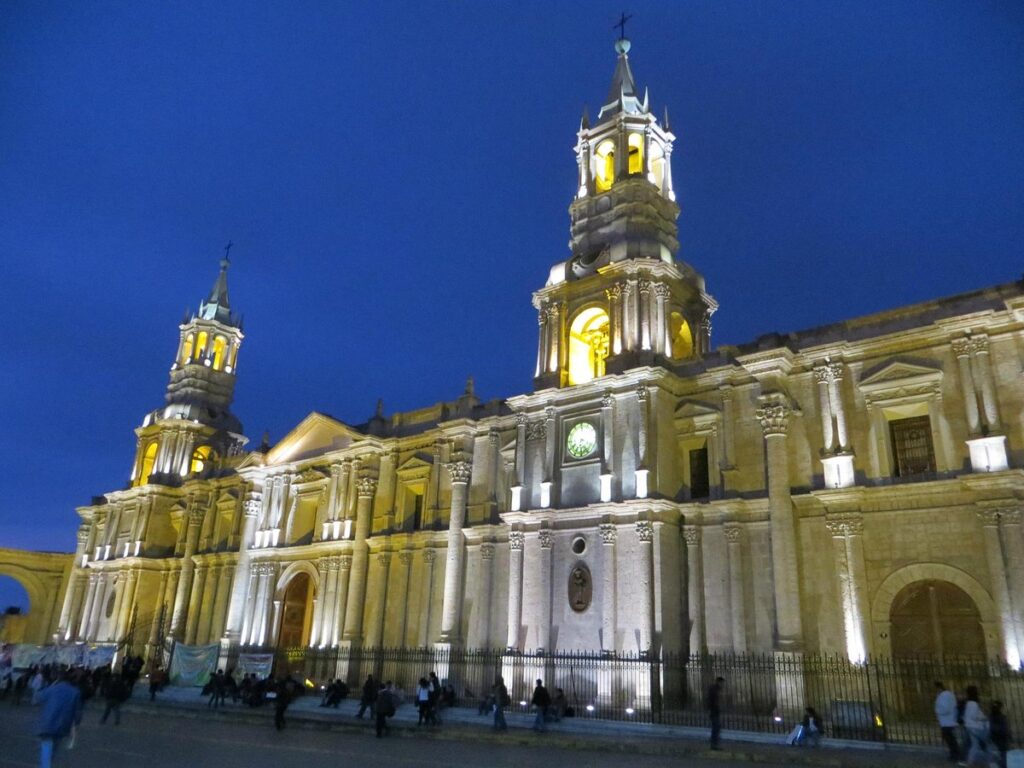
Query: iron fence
column 881, row 699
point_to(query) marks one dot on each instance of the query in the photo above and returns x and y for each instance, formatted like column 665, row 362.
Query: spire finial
column 622, row 44
column 380, row 408
column 470, row 387
column 226, row 261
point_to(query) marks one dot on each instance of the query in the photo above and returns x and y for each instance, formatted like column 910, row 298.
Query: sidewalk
column 571, row 733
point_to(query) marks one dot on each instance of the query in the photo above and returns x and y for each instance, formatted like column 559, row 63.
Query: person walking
column 541, row 699
column 385, row 706
column 435, row 697
column 999, row 730
column 946, row 715
column 715, row 711
column 369, row 695
column 218, row 690
column 115, row 692
column 285, row 691
column 977, row 729
column 501, row 700
column 423, row 702
column 62, row 711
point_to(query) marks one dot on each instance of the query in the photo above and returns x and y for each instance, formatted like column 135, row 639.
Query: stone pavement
column 572, row 733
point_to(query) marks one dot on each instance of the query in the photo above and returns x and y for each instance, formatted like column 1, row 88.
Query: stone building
column 853, row 488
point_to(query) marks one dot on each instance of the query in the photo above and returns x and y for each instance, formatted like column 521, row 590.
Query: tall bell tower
column 622, row 299
column 195, row 430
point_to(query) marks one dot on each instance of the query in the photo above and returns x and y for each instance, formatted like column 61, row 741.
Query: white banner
column 192, row 664
column 258, row 664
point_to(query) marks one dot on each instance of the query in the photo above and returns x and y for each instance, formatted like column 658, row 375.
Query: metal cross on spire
column 227, row 250
column 621, row 25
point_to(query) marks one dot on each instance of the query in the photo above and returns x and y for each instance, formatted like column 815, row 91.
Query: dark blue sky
column 395, row 179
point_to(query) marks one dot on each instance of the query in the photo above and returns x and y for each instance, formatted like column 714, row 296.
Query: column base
column 988, row 454
column 838, row 470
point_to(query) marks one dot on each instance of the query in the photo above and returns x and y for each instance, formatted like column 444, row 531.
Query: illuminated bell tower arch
column 195, row 430
column 623, row 298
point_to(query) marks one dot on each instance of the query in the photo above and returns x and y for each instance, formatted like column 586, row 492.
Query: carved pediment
column 311, row 475
column 415, row 464
column 901, row 378
column 315, row 435
column 694, row 415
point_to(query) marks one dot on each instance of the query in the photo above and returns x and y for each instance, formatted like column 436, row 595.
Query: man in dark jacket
column 115, row 692
column 62, row 710
column 369, row 695
column 715, row 710
column 541, row 699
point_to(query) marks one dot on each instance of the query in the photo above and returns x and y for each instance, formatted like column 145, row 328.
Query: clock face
column 582, row 440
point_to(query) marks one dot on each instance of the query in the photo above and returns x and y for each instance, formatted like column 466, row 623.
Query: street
column 162, row 740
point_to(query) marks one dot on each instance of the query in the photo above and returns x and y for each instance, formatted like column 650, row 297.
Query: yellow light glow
column 148, row 460
column 682, row 338
column 200, row 458
column 588, row 345
column 604, row 165
column 186, row 349
column 201, row 344
column 220, row 345
column 636, row 153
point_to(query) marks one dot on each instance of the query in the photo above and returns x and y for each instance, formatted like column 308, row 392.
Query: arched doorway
column 14, row 608
column 935, row 619
column 588, row 345
column 296, row 612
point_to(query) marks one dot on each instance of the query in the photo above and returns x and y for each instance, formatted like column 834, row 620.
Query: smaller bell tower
column 195, row 429
column 622, row 299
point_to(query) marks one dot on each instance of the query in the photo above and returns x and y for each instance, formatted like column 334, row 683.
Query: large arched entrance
column 296, row 612
column 935, row 619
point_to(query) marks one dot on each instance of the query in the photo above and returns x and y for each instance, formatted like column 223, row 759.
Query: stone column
column 695, row 589
column 484, row 592
column 609, row 612
column 98, row 605
column 629, row 321
column 1000, row 590
column 72, row 611
column 451, row 610
column 774, row 417
column 983, row 370
column 542, row 332
column 554, row 338
column 734, row 547
column 127, row 603
column 179, row 616
column 821, row 375
column 272, row 607
column 260, row 610
column 249, row 605
column 90, row 598
column 962, row 350
column 847, row 531
column 218, row 618
column 645, row 585
column 515, row 588
column 546, row 540
column 662, row 340
column 357, row 585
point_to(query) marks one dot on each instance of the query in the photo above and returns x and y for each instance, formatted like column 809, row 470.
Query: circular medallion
column 582, row 440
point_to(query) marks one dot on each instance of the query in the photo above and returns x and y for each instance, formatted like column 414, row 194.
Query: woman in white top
column 976, row 724
column 423, row 701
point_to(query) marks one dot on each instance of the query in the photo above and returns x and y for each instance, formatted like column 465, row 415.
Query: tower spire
column 217, row 307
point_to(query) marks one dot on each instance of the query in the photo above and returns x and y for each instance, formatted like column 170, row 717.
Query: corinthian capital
column 827, row 373
column 546, row 538
column 366, row 486
column 979, row 345
column 774, row 414
column 515, row 541
column 645, row 531
column 691, row 535
column 961, row 347
column 459, row 471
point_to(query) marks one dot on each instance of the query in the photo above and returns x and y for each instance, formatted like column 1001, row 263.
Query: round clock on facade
column 582, row 440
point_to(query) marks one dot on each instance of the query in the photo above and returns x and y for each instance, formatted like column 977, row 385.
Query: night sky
column 396, row 178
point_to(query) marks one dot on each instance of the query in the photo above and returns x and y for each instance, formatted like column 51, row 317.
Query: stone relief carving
column 581, row 589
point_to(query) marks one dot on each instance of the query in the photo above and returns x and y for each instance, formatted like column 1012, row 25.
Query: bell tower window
column 604, row 165
column 148, row 460
column 200, row 459
column 220, row 348
column 201, row 345
column 636, row 153
column 682, row 337
column 588, row 345
column 186, row 349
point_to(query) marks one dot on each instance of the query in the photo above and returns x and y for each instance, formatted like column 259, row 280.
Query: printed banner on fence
column 100, row 656
column 26, row 655
column 258, row 664
column 192, row 664
column 6, row 651
column 72, row 655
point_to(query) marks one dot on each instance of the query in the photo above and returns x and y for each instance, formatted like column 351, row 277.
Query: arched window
column 636, row 153
column 233, row 357
column 220, row 347
column 657, row 163
column 682, row 338
column 588, row 345
column 935, row 619
column 186, row 349
column 148, row 460
column 201, row 345
column 604, row 165
column 200, row 459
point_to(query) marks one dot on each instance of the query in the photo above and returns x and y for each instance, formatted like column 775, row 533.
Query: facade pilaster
column 609, row 607
column 695, row 589
column 847, row 542
column 515, row 588
column 774, row 415
column 402, row 595
column 197, row 604
column 484, row 593
column 645, row 585
column 990, row 520
column 341, row 598
column 737, row 608
column 983, row 368
column 218, row 619
column 962, row 350
column 379, row 602
column 194, row 522
column 426, row 593
column 545, row 541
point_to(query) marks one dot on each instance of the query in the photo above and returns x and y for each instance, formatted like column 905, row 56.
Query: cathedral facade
column 855, row 488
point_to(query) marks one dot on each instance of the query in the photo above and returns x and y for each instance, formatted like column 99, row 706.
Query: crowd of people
column 973, row 736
